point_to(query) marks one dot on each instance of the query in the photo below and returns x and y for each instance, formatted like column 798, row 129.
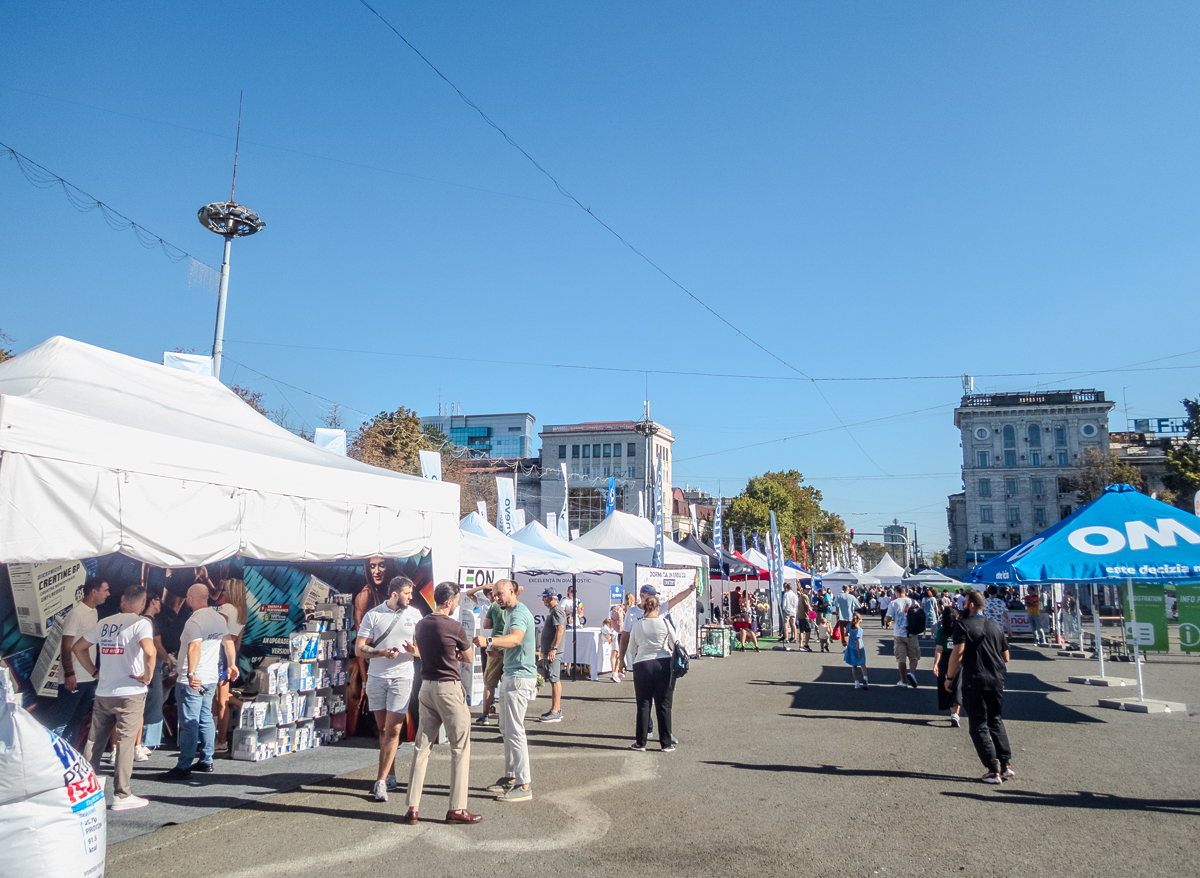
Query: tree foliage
column 5, row 353
column 1098, row 470
column 252, row 398
column 1183, row 462
column 391, row 440
column 797, row 508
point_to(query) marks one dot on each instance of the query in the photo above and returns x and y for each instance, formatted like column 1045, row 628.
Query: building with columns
column 1021, row 453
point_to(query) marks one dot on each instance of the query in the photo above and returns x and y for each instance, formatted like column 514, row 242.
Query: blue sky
column 867, row 190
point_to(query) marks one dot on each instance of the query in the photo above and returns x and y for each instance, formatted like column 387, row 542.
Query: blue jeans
column 195, row 723
column 70, row 708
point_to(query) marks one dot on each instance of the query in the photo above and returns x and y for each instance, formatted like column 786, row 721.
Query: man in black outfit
column 981, row 650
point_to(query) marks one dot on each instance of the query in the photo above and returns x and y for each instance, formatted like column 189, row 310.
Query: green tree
column 1098, row 470
column 1183, row 461
column 391, row 440
column 5, row 353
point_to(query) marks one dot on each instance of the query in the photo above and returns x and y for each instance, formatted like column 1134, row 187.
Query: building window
column 574, row 469
column 1010, row 487
column 981, row 434
column 1014, row 514
column 1014, row 540
column 1035, row 436
column 631, row 472
column 562, row 452
column 607, row 471
column 1088, row 430
column 587, row 470
column 985, row 487
column 981, row 458
column 989, row 543
column 1064, row 485
column 574, row 451
column 585, row 506
column 1010, row 437
column 1060, row 435
column 985, row 514
column 616, row 449
column 1035, row 457
column 1037, row 485
column 607, row 450
column 587, row 451
column 1062, row 457
column 1039, row 515
column 596, row 450
column 1064, row 512
column 631, row 451
column 1010, row 457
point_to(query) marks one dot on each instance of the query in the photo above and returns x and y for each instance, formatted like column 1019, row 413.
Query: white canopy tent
column 932, row 578
column 522, row 557
column 839, row 576
column 790, row 574
column 536, row 535
column 888, row 572
column 102, row 452
column 629, row 540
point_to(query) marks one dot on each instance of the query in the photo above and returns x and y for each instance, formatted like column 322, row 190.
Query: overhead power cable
column 566, row 194
column 44, row 178
column 679, row 373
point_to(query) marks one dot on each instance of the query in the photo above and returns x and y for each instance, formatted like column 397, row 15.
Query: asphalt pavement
column 782, row 768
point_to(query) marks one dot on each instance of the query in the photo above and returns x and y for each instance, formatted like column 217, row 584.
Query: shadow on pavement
column 846, row 772
column 1091, row 801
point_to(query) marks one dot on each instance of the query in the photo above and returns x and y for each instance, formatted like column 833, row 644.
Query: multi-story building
column 1020, row 457
column 899, row 543
column 595, row 452
column 507, row 435
column 1146, row 446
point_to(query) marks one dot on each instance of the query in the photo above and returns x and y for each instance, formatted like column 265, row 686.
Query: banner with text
column 1151, row 628
column 1187, row 601
column 506, row 505
column 668, row 583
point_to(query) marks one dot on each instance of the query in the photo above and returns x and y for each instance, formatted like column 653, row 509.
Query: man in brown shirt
column 442, row 643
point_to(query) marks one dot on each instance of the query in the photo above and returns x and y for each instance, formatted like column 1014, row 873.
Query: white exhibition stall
column 839, row 576
column 522, row 557
column 888, row 572
column 630, row 540
column 102, row 452
column 594, row 578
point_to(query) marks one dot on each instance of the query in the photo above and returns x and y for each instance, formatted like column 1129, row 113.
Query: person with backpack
column 908, row 621
column 981, row 651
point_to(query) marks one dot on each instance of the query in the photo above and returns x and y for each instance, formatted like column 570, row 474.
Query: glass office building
column 504, row 435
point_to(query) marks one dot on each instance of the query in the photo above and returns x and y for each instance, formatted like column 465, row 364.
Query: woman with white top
column 234, row 611
column 650, row 643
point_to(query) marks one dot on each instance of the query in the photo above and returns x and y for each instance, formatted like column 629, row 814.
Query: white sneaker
column 858, row 684
column 379, row 791
column 901, row 684
column 107, row 758
column 128, row 803
column 142, row 755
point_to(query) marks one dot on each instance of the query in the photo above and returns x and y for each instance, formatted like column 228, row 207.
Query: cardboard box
column 43, row 591
column 47, row 672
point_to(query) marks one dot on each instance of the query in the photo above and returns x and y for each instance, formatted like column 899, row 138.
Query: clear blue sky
column 889, row 189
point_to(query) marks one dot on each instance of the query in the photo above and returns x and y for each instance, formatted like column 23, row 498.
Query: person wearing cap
column 633, row 614
column 551, row 646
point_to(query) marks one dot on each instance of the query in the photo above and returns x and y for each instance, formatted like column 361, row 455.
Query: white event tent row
column 101, row 452
column 888, row 572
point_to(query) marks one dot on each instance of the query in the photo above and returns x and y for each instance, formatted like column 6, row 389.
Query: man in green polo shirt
column 518, row 685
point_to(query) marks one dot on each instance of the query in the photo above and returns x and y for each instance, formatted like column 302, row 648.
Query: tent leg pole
column 1099, row 644
column 1137, row 658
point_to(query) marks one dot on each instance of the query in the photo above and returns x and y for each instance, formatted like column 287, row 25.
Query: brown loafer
column 462, row 816
column 410, row 817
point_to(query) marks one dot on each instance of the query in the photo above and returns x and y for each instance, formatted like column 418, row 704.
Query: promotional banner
column 563, row 530
column 481, row 505
column 757, row 547
column 695, row 530
column 506, row 505
column 776, row 567
column 1187, row 600
column 659, row 550
column 552, row 522
column 472, row 577
column 718, row 542
column 743, row 541
column 1150, row 632
column 610, row 502
column 668, row 583
column 641, row 504
column 519, row 519
column 431, row 465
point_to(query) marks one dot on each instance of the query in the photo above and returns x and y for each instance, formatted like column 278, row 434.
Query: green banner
column 1151, row 617
column 1188, row 602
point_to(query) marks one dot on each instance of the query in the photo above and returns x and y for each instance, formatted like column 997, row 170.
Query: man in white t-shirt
column 78, row 687
column 385, row 637
column 908, row 649
column 126, row 643
column 205, row 635
column 791, row 602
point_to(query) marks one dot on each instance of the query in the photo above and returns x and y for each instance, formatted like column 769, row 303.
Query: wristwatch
column 489, row 643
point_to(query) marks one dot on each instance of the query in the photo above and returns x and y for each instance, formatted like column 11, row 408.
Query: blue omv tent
column 1122, row 534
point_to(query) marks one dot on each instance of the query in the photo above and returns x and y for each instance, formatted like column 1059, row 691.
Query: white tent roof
column 536, row 534
column 842, row 576
column 888, row 571
column 629, row 539
column 522, row 557
column 101, row 452
column 477, row 551
column 754, row 556
column 929, row 576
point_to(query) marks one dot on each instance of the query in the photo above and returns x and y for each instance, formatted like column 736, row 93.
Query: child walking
column 855, row 655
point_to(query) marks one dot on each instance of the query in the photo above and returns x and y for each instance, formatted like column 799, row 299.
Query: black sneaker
column 176, row 773
column 205, row 767
column 639, row 747
column 912, row 679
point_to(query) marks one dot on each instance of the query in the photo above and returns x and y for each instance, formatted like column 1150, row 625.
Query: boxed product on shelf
column 316, row 625
column 320, row 707
column 246, row 746
column 303, row 646
column 337, row 703
column 271, row 714
column 300, row 677
column 304, row 735
column 277, row 678
column 252, row 715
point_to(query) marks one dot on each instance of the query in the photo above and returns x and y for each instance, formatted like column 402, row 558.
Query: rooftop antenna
column 229, row 220
column 968, row 383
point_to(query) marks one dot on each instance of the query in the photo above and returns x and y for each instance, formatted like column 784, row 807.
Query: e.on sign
column 1138, row 535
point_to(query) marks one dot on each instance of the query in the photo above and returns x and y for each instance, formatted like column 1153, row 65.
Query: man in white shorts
column 385, row 637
